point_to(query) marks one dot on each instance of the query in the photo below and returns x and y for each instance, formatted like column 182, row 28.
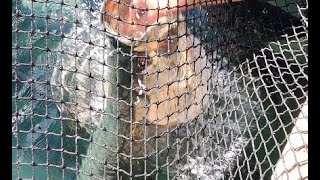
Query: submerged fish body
column 80, row 80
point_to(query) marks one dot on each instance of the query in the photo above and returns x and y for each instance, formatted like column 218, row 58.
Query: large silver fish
column 148, row 110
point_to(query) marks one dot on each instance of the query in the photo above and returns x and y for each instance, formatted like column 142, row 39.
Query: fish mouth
column 155, row 36
column 106, row 20
column 158, row 31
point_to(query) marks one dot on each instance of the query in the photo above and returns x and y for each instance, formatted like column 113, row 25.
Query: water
column 36, row 120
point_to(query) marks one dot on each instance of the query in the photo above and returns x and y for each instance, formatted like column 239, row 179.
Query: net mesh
column 210, row 92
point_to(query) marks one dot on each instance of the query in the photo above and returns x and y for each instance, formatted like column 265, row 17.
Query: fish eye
column 142, row 62
column 140, row 13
